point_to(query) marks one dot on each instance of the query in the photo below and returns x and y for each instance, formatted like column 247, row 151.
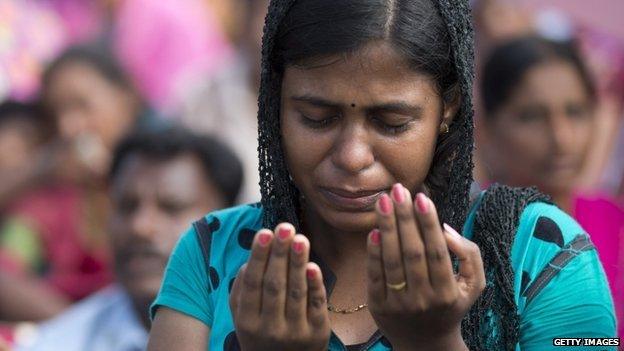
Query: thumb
column 470, row 263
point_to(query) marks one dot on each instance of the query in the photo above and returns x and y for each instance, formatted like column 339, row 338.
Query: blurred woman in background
column 539, row 104
column 56, row 231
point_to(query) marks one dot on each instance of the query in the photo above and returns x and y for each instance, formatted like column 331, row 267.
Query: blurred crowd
column 123, row 121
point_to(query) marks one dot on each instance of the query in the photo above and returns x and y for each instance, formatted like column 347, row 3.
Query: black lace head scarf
column 450, row 176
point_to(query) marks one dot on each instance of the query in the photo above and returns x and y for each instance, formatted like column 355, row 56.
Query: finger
column 317, row 298
column 297, row 295
column 376, row 281
column 412, row 246
column 250, row 300
column 471, row 269
column 390, row 245
column 275, row 277
column 236, row 290
column 436, row 251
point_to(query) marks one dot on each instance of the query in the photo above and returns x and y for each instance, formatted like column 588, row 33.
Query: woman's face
column 86, row 104
column 354, row 127
column 542, row 134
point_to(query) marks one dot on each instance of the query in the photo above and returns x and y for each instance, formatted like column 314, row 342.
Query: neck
column 141, row 310
column 344, row 252
column 564, row 201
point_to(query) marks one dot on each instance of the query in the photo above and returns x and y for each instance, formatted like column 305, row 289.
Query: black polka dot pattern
column 214, row 225
column 526, row 279
column 230, row 284
column 546, row 229
column 245, row 238
column 231, row 342
column 214, row 278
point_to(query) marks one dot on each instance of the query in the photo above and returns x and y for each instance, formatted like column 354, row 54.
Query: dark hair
column 435, row 37
column 15, row 110
column 12, row 110
column 218, row 161
column 94, row 56
column 509, row 62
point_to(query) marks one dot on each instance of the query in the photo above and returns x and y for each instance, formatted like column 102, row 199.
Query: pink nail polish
column 422, row 202
column 298, row 247
column 264, row 239
column 375, row 237
column 283, row 233
column 385, row 204
column 310, row 273
column 450, row 230
column 397, row 193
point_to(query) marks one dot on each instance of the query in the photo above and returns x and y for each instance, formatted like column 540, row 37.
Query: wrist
column 450, row 342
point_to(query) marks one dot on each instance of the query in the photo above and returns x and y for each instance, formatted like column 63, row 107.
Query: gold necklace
column 332, row 308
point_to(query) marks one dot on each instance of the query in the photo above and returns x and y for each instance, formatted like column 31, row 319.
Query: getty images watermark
column 568, row 342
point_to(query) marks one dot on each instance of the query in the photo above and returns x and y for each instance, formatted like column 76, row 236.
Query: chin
column 350, row 222
column 143, row 288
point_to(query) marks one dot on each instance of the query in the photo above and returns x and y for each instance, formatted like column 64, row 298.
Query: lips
column 351, row 200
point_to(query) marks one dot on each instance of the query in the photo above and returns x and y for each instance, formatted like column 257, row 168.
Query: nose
column 562, row 133
column 71, row 123
column 144, row 223
column 353, row 151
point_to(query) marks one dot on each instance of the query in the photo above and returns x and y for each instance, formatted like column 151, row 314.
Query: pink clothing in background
column 57, row 214
column 166, row 45
column 83, row 20
column 604, row 222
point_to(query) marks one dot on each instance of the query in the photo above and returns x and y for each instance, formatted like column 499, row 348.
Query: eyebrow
column 391, row 107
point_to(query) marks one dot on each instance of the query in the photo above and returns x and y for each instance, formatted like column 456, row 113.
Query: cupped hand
column 278, row 299
column 413, row 294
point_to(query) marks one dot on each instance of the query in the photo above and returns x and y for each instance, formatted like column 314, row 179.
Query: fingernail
column 375, row 237
column 298, row 247
column 311, row 273
column 283, row 233
column 385, row 204
column 397, row 193
column 264, row 239
column 450, row 229
column 422, row 202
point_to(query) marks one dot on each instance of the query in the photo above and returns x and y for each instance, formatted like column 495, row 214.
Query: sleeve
column 185, row 285
column 564, row 289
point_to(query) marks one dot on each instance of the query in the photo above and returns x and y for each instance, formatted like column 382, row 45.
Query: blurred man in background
column 160, row 181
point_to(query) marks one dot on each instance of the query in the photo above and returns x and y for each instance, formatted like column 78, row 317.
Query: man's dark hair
column 509, row 62
column 219, row 162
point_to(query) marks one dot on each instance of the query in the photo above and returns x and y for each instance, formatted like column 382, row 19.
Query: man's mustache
column 125, row 255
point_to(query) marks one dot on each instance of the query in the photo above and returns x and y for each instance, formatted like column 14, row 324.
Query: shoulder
column 220, row 230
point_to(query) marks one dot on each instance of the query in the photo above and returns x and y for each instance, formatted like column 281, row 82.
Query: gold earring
column 444, row 128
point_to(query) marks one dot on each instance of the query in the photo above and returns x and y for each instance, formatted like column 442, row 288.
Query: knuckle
column 251, row 282
column 273, row 286
column 393, row 264
column 375, row 255
column 436, row 254
column 317, row 301
column 446, row 298
column 474, row 248
column 296, row 294
column 413, row 255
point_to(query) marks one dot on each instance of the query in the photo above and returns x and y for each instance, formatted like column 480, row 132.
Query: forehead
column 374, row 72
column 552, row 80
column 179, row 175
